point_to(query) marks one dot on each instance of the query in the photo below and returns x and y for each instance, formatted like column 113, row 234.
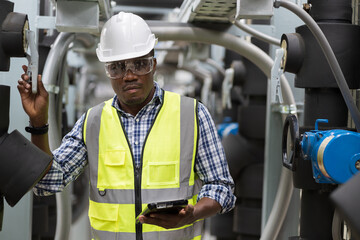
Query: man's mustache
column 131, row 85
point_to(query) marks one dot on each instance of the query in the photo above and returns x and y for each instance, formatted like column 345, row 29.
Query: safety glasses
column 140, row 66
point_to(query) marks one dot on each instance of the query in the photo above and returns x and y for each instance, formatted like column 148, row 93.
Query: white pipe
column 53, row 65
column 216, row 65
column 51, row 69
column 280, row 206
column 257, row 34
column 229, row 41
column 50, row 73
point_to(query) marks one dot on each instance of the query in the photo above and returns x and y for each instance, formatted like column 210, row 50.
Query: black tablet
column 168, row 207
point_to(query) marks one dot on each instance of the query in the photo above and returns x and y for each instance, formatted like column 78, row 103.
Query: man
column 144, row 145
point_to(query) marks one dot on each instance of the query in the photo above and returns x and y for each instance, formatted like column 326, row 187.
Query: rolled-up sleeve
column 69, row 161
column 211, row 165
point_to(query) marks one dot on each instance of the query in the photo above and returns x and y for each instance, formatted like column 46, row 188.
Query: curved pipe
column 257, row 34
column 229, row 41
column 86, row 39
column 53, row 76
column 206, row 78
column 217, row 66
column 51, row 70
column 280, row 206
column 265, row 63
column 329, row 54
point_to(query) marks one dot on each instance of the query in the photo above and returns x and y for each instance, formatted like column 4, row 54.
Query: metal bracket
column 51, row 88
column 205, row 90
column 33, row 60
column 276, row 72
column 227, row 85
column 285, row 109
column 250, row 9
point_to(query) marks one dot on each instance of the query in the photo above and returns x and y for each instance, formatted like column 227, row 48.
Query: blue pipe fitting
column 335, row 154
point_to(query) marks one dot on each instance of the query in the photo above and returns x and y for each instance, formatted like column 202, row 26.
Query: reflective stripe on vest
column 167, row 171
column 181, row 234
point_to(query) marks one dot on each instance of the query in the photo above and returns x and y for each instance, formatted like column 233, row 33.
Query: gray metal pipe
column 259, row 35
column 280, row 206
column 264, row 63
column 51, row 70
column 53, row 76
column 248, row 50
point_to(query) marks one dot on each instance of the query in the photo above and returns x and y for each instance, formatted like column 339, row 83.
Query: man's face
column 134, row 90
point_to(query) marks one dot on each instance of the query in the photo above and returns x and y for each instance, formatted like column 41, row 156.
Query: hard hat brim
column 119, row 57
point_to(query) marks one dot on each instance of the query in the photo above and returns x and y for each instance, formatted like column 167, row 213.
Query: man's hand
column 35, row 105
column 184, row 217
column 206, row 207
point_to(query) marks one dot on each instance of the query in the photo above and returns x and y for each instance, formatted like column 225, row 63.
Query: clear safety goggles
column 139, row 66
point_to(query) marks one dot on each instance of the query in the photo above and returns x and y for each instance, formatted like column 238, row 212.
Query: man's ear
column 155, row 62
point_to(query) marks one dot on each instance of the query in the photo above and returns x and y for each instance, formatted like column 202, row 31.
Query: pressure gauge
column 290, row 142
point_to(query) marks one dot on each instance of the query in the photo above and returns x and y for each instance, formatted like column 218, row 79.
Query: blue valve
column 227, row 127
column 320, row 121
column 335, row 154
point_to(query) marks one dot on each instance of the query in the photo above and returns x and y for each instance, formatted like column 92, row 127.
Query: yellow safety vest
column 119, row 191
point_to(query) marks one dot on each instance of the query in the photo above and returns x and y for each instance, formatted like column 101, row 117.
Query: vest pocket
column 104, row 217
column 115, row 170
column 115, row 158
column 112, row 217
column 163, row 174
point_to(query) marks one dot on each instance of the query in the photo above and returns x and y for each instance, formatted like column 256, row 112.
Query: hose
column 257, row 34
column 280, row 206
column 329, row 54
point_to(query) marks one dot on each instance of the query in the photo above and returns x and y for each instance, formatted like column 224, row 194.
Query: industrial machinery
column 22, row 163
column 286, row 105
column 322, row 159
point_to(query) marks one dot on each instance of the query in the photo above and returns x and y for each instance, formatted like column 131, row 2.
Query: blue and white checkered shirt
column 70, row 158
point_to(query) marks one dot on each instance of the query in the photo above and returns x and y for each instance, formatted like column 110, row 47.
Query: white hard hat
column 125, row 36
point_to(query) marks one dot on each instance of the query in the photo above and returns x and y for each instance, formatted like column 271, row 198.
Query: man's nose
column 129, row 74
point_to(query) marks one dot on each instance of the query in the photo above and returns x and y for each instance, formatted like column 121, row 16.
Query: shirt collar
column 156, row 100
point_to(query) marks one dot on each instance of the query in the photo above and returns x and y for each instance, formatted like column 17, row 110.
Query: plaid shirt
column 70, row 158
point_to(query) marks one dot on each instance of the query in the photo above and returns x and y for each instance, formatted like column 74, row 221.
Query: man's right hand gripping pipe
column 36, row 107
